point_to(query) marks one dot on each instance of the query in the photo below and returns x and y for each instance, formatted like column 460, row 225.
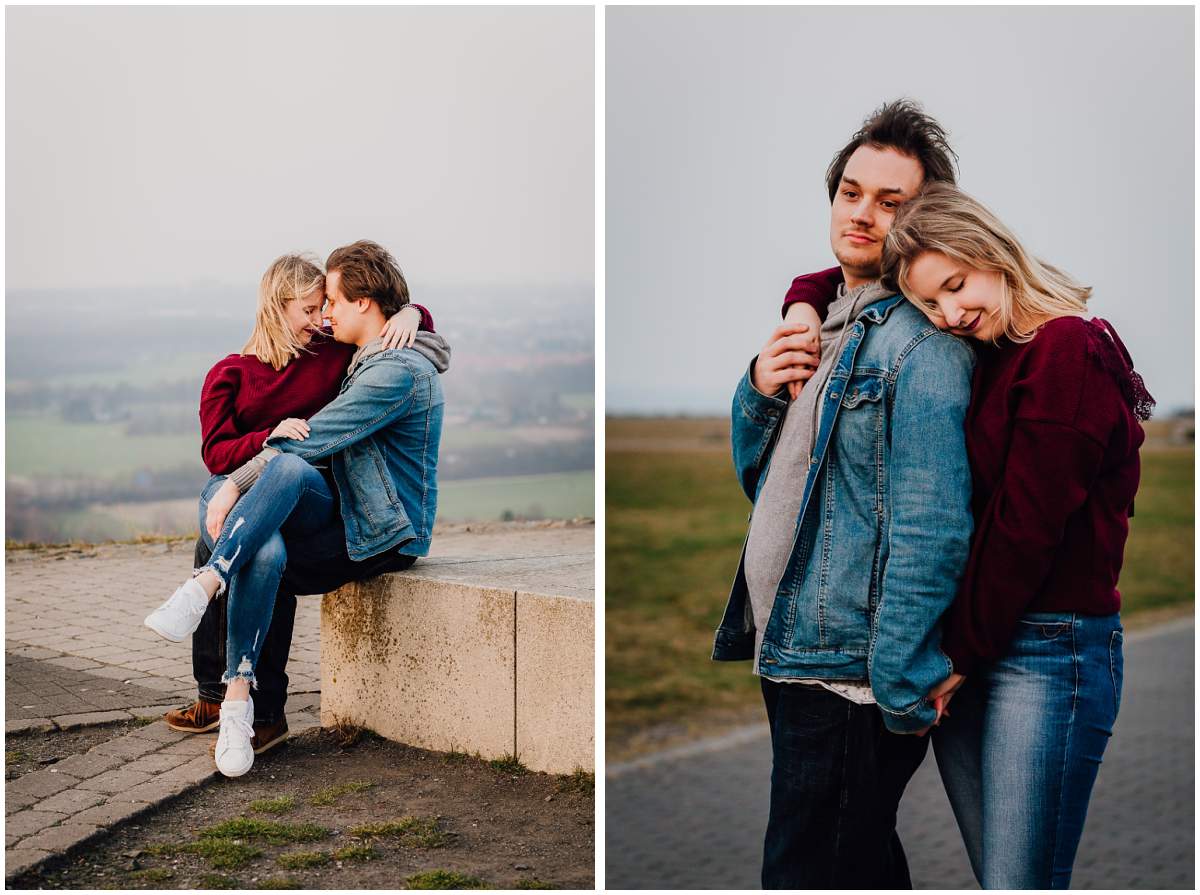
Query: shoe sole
column 272, row 744
column 161, row 633
column 212, row 726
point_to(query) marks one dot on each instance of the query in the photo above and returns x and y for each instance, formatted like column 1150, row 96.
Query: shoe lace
column 237, row 724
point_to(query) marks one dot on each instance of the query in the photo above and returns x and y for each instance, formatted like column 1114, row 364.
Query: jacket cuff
column 759, row 407
column 920, row 716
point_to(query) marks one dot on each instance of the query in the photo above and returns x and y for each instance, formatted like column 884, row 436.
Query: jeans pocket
column 1116, row 667
column 1029, row 629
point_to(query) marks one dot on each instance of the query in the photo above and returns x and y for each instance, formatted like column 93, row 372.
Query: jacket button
column 833, row 397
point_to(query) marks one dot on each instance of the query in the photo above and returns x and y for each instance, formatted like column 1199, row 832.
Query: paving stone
column 20, row 860
column 158, row 732
column 67, row 722
column 14, row 802
column 36, row 652
column 119, row 780
column 157, row 790
column 70, row 801
column 77, row 663
column 88, row 765
column 153, row 711
column 192, row 744
column 40, row 784
column 157, row 762
column 110, row 813
column 27, row 724
column 194, row 771
column 26, row 823
column 126, row 747
column 61, row 838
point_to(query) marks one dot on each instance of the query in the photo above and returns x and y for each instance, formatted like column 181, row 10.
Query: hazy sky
column 166, row 146
column 1075, row 124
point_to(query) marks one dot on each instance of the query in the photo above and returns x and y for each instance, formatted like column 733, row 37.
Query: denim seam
column 1062, row 783
column 845, row 793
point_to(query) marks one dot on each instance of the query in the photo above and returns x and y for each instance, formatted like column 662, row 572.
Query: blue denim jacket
column 885, row 521
column 383, row 431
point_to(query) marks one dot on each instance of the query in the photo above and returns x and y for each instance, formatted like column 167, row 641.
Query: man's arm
column 928, row 537
column 755, row 417
column 381, row 393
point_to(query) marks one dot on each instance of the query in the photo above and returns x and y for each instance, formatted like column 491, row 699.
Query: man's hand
column 802, row 312
column 218, row 508
column 790, row 356
column 401, row 330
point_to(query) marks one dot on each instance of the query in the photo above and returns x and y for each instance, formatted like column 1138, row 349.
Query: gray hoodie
column 773, row 524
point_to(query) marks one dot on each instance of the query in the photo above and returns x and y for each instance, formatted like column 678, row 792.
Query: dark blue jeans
column 1021, row 747
column 836, row 780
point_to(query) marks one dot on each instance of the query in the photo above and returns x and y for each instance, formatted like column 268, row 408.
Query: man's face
column 875, row 183
column 343, row 319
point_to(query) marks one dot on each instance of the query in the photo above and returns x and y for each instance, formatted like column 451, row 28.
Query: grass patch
column 153, row 874
column 355, row 853
column 144, row 720
column 223, row 854
column 676, row 521
column 216, row 881
column 346, row 733
column 532, row 884
column 281, row 805
column 331, row 794
column 454, row 757
column 14, row 756
column 581, row 782
column 508, row 764
column 414, row 832
column 302, row 859
column 162, row 849
column 279, row 882
column 269, row 830
column 444, row 879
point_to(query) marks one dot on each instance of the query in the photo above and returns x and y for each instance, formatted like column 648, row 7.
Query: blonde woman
column 288, row 370
column 1052, row 436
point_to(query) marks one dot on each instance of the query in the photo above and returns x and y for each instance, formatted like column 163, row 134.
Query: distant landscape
column 102, row 392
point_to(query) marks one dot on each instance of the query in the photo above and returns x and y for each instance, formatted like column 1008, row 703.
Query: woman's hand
column 218, row 508
column 293, row 428
column 941, row 695
column 401, row 330
column 804, row 313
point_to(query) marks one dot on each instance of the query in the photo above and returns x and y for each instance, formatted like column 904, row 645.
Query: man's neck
column 855, row 280
column 370, row 333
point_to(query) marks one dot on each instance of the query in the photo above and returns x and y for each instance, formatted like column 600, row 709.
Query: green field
column 44, row 446
column 563, row 495
column 676, row 519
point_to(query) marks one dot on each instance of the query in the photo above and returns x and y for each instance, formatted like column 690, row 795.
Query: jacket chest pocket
column 858, row 437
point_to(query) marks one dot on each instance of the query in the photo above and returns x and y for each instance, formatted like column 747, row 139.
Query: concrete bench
column 485, row 646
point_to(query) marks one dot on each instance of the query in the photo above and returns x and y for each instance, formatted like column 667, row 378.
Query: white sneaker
column 234, row 753
column 180, row 615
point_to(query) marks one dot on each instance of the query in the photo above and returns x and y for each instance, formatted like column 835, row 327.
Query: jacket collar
column 879, row 311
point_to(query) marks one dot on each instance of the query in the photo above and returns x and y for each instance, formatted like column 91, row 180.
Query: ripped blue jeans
column 290, row 499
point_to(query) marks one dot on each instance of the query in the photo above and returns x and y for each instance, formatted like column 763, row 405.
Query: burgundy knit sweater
column 243, row 398
column 1052, row 440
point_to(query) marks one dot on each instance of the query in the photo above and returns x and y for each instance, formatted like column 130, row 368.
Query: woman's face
column 957, row 298
column 304, row 314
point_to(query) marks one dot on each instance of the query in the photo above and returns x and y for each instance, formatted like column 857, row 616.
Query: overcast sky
column 1074, row 124
column 170, row 146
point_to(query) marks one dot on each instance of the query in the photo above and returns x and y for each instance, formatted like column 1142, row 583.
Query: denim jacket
column 382, row 431
column 885, row 521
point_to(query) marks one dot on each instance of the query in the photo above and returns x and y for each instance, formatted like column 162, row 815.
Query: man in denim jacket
column 859, row 533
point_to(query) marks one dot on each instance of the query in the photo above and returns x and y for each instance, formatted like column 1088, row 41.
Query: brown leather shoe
column 199, row 717
column 268, row 736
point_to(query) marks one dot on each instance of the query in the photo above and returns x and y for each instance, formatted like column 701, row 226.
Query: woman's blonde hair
column 289, row 278
column 942, row 218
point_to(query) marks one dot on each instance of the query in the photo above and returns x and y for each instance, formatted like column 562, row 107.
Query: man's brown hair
column 369, row 271
column 903, row 126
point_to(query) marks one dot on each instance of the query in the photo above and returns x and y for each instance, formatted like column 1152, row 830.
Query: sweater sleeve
column 223, row 447
column 1063, row 405
column 426, row 318
column 817, row 289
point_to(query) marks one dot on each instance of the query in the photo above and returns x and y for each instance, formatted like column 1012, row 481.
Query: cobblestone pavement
column 693, row 817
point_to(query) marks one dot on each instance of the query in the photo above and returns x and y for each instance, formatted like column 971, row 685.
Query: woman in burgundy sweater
column 1052, row 437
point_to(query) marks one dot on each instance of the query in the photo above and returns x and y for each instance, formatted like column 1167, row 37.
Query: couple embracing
column 942, row 453
column 323, row 445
